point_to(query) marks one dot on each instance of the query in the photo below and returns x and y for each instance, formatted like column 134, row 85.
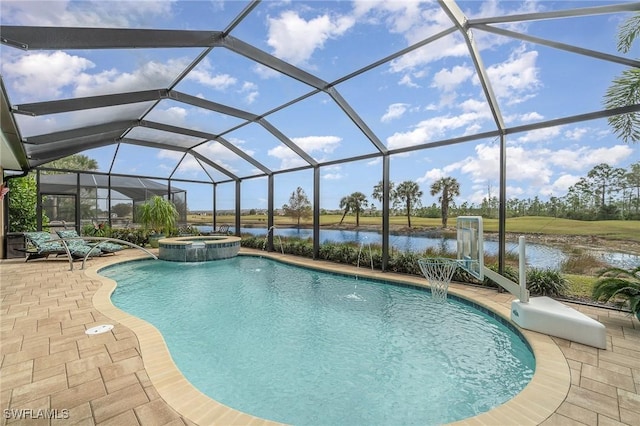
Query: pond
column 538, row 255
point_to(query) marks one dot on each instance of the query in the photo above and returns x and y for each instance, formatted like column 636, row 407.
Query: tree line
column 605, row 193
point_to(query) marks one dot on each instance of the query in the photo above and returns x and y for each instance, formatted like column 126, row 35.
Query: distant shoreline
column 594, row 243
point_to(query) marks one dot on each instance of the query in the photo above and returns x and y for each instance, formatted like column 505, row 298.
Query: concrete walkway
column 51, row 368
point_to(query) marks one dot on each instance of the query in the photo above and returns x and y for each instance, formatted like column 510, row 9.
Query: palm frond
column 627, row 33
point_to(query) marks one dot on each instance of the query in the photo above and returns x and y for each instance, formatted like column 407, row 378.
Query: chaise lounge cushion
column 78, row 247
column 43, row 243
column 104, row 247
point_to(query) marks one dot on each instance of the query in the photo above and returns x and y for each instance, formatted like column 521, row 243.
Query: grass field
column 625, row 230
column 579, row 271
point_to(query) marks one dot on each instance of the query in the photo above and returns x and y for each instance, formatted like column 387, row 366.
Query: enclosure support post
column 385, row 211
column 39, row 203
column 78, row 203
column 270, row 221
column 502, row 215
column 213, row 219
column 108, row 200
column 238, row 185
column 316, row 212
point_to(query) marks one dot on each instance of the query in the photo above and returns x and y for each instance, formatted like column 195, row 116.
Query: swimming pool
column 305, row 347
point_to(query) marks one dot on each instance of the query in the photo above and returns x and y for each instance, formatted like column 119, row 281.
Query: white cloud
column 294, row 39
column 324, row 144
column 394, row 111
column 540, row 135
column 44, row 75
column 415, row 21
column 250, row 92
column 560, row 186
column 223, row 156
column 433, row 129
column 265, row 72
column 406, row 80
column 174, row 115
column 448, row 79
column 333, row 173
column 542, row 171
column 515, row 80
column 203, row 74
column 523, row 165
column 288, row 158
column 431, row 176
column 523, row 118
column 577, row 133
column 88, row 13
column 309, row 144
column 54, row 75
column 612, row 155
column 475, row 106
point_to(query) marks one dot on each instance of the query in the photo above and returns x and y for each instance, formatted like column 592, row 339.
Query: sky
column 430, row 94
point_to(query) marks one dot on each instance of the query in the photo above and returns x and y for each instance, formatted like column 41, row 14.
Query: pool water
column 305, row 347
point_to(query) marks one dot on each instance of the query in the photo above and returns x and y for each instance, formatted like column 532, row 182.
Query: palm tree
column 74, row 162
column 377, row 191
column 409, row 193
column 355, row 202
column 358, row 203
column 345, row 203
column 625, row 89
column 449, row 187
column 621, row 285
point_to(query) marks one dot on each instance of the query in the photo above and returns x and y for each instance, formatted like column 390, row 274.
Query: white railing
column 92, row 247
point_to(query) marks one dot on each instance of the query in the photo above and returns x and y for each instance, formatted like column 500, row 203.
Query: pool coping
column 544, row 394
column 207, row 240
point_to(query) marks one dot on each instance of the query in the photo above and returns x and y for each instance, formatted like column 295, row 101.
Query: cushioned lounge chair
column 104, row 247
column 42, row 245
column 39, row 245
column 222, row 230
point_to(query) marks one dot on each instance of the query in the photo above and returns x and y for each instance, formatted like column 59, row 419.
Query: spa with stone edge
column 198, row 249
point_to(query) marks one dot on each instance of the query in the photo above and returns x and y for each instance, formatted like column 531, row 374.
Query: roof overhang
column 12, row 154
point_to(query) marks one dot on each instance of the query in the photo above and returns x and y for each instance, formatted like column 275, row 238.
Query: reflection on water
column 538, row 255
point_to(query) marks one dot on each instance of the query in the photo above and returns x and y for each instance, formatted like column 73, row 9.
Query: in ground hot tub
column 198, row 249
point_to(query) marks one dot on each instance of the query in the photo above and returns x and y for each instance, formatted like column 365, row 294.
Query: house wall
column 4, row 225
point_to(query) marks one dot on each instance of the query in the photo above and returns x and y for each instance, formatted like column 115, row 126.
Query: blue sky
column 430, row 94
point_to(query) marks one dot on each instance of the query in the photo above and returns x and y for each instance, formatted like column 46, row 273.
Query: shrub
column 405, row 263
column 185, row 230
column 97, row 230
column 508, row 272
column 251, row 241
column 135, row 236
column 621, row 286
column 582, row 263
column 546, row 282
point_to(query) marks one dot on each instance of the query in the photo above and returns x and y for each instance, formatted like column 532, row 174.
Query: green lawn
column 611, row 229
column 580, row 285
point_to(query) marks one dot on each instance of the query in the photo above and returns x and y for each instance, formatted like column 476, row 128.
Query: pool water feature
column 198, row 249
column 290, row 344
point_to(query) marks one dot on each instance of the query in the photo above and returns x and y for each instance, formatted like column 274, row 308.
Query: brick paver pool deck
column 125, row 376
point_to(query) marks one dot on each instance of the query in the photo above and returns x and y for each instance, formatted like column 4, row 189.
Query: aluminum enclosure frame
column 41, row 149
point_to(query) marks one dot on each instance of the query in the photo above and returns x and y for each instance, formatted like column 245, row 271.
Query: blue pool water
column 304, row 347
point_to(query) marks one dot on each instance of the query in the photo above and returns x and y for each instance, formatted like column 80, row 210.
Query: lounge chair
column 43, row 245
column 72, row 238
column 222, row 230
column 40, row 244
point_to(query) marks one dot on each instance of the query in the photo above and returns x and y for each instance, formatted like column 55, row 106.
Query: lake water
column 538, row 255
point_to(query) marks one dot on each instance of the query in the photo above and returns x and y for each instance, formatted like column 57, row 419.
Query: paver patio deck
column 124, row 377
